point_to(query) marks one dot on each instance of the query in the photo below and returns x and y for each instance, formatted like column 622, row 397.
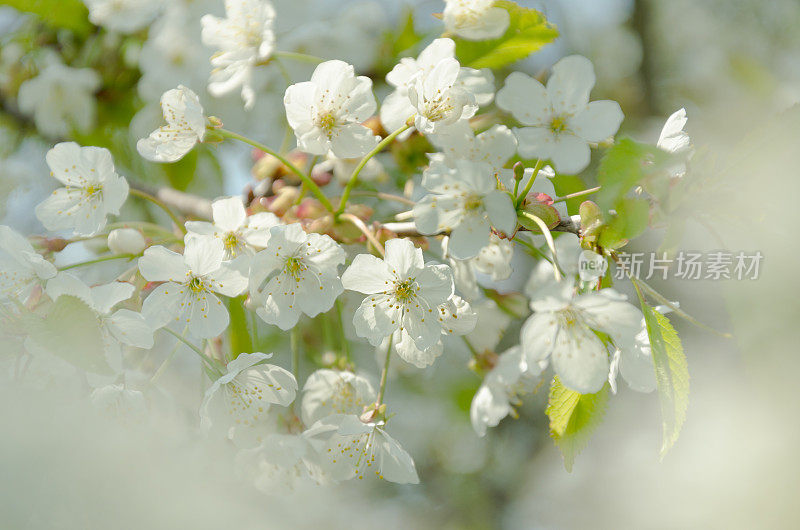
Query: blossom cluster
column 285, row 254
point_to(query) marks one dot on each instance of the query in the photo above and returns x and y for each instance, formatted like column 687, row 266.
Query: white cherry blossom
column 297, row 273
column 510, row 378
column 21, row 267
column 60, row 99
column 126, row 241
column 280, row 464
column 349, row 448
column 243, row 39
column 238, row 403
column 326, row 112
column 438, row 99
column 186, row 125
column 465, row 200
column 475, row 19
column 559, row 121
column 408, row 299
column 122, row 326
column 92, row 191
column 494, row 146
column 493, row 261
column 673, row 139
column 123, row 16
column 397, row 107
column 190, row 283
column 562, row 329
column 240, row 234
column 329, row 392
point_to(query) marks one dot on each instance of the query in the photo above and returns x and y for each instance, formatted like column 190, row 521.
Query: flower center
column 473, row 202
column 91, row 189
column 231, row 242
column 327, row 122
column 438, row 109
column 405, row 291
column 558, row 125
column 294, row 267
column 196, row 285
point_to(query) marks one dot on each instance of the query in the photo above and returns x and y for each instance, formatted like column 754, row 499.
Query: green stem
column 294, row 339
column 345, row 345
column 146, row 196
column 550, row 243
column 576, row 194
column 294, row 169
column 212, row 364
column 385, row 373
column 354, row 177
column 529, row 185
column 98, row 260
column 302, row 57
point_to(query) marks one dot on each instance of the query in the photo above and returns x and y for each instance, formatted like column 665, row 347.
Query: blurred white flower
column 349, row 448
column 342, row 169
column 123, row 16
column 495, row 399
column 118, row 401
column 559, row 120
column 673, row 139
column 493, row 260
column 92, row 191
column 465, row 200
column 329, row 392
column 122, row 326
column 494, row 322
column 280, row 463
column 408, row 299
column 237, row 403
column 186, row 125
column 60, row 99
column 240, row 234
column 397, row 108
column 297, row 273
column 244, row 38
column 126, row 241
column 562, row 329
column 326, row 113
column 190, row 283
column 475, row 19
column 21, row 267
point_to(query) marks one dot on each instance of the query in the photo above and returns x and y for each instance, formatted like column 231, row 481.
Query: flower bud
column 126, row 241
column 519, row 170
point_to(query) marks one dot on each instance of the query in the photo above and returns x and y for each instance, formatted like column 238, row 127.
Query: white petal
column 525, row 98
column 598, row 122
column 131, row 328
column 368, row 274
column 158, row 264
column 229, row 213
column 570, row 83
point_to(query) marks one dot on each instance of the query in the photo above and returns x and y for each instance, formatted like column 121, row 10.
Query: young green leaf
column 625, row 165
column 573, row 418
column 672, row 373
column 66, row 14
column 528, row 31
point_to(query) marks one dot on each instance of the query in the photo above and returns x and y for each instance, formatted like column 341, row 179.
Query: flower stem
column 146, row 196
column 354, row 177
column 212, row 364
column 294, row 169
column 302, row 57
column 98, row 260
column 385, row 373
column 521, row 196
column 364, row 230
column 550, row 243
column 576, row 194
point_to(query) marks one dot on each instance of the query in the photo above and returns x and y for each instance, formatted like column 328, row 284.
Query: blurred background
column 733, row 64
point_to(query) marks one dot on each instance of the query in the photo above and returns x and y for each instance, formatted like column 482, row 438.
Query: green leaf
column 71, row 330
column 672, row 373
column 528, row 31
column 629, row 222
column 625, row 165
column 545, row 212
column 573, row 418
column 58, row 14
column 406, row 37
